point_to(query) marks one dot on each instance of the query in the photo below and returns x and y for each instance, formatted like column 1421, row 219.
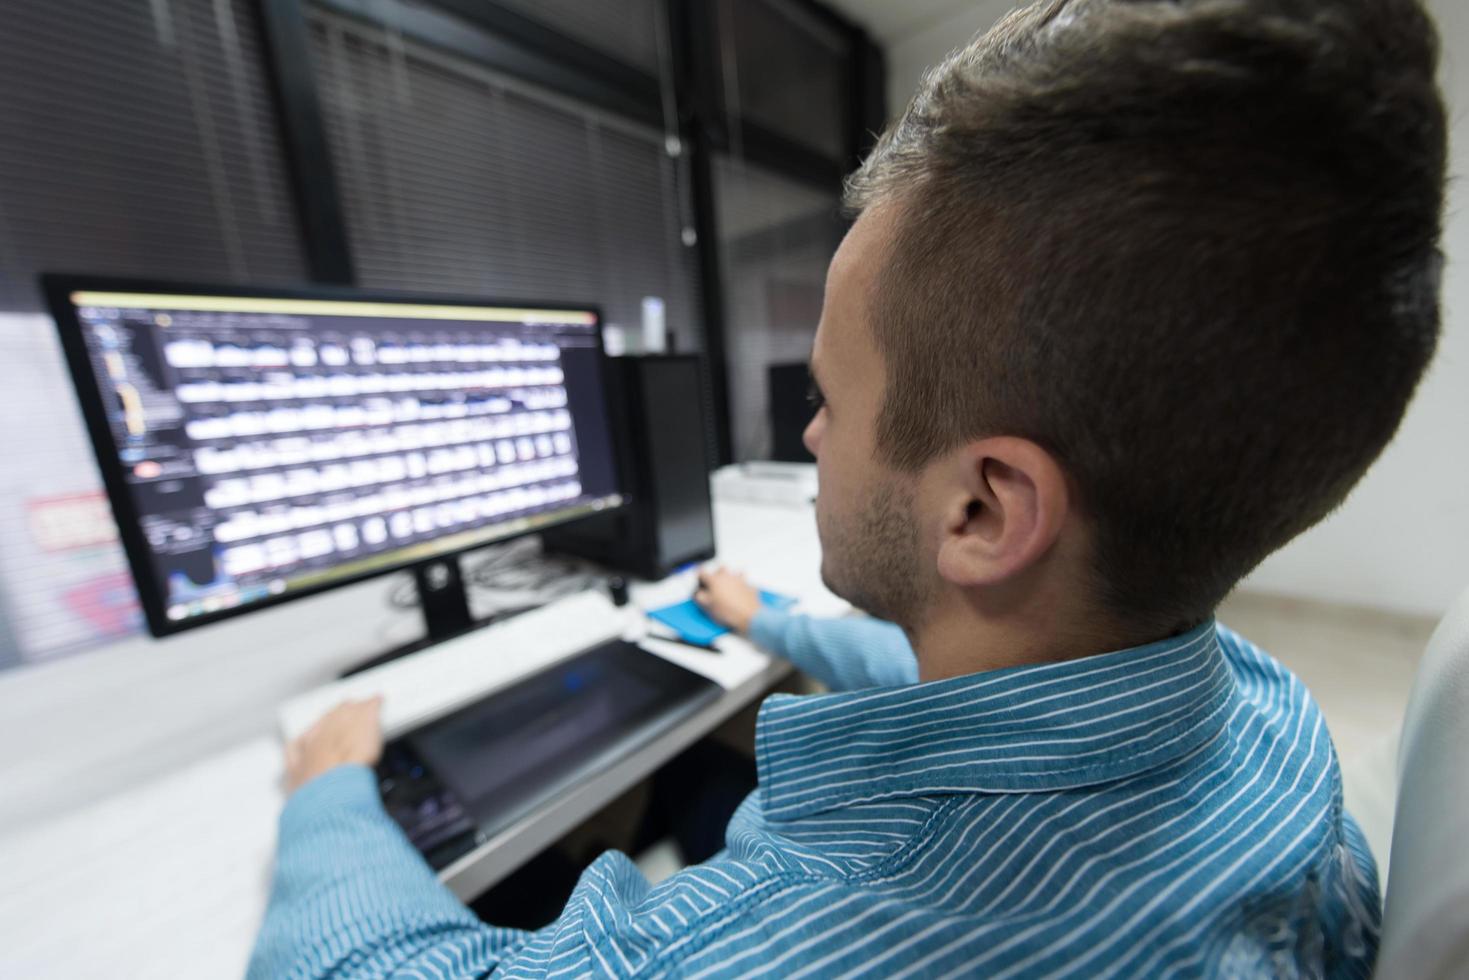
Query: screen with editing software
column 269, row 444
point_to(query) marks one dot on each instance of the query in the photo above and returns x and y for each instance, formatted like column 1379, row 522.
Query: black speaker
column 658, row 423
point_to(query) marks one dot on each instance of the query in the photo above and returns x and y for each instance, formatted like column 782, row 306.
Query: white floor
column 1359, row 665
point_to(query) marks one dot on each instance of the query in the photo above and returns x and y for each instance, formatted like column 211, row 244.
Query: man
column 1136, row 293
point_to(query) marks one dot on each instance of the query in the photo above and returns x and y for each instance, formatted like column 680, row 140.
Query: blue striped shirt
column 1170, row 810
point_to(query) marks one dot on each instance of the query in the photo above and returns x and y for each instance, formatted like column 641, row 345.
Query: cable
column 512, row 578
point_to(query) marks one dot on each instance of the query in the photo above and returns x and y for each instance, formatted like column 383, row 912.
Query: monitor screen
column 257, row 447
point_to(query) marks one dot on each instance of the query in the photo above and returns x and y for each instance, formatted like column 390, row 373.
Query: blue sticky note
column 689, row 620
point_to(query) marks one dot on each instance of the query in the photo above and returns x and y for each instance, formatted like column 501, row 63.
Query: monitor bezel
column 58, row 287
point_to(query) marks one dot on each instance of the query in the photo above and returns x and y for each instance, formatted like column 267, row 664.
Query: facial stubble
column 875, row 563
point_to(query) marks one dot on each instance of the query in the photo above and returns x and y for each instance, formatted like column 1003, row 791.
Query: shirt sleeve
column 844, row 654
column 352, row 897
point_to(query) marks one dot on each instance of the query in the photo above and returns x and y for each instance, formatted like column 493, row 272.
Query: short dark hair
column 1189, row 247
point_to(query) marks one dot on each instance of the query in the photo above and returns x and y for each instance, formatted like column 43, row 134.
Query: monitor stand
column 445, row 605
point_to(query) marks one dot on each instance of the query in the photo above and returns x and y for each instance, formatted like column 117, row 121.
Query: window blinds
column 139, row 140
column 457, row 179
column 624, row 29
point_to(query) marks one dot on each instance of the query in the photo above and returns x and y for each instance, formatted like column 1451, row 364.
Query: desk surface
column 170, row 879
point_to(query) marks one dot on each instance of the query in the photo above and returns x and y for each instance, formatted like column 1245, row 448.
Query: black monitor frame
column 444, row 614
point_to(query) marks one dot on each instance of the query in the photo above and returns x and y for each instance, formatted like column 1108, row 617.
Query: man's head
column 1151, row 281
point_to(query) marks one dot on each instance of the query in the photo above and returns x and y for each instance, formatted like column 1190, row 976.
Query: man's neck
column 960, row 636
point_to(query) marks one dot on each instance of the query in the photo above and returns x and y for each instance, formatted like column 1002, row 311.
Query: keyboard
column 454, row 783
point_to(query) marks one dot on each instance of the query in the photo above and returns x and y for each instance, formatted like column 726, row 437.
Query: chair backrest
column 1426, row 920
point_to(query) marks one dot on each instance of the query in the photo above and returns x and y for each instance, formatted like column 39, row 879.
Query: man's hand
column 728, row 598
column 349, row 733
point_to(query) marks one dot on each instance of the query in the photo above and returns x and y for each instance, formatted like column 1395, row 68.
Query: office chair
column 1426, row 921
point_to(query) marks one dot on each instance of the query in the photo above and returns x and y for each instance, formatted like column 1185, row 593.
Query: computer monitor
column 263, row 445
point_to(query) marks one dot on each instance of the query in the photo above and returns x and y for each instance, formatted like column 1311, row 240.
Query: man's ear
column 1006, row 503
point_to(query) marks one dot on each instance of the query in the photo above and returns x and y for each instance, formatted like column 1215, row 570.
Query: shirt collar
column 1042, row 728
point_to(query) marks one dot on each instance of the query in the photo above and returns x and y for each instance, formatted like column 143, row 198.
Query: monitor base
column 445, row 605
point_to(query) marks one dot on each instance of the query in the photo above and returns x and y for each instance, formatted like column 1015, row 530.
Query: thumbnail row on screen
column 245, row 525
column 284, row 387
column 305, row 352
column 379, row 412
column 298, row 450
column 263, row 488
column 287, row 550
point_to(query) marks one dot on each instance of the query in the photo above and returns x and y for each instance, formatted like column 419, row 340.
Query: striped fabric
column 1170, row 810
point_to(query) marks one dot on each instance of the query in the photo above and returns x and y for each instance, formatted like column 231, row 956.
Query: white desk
column 169, row 879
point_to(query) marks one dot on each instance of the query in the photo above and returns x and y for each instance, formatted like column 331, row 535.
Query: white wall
column 1401, row 541
column 911, row 55
column 1402, row 538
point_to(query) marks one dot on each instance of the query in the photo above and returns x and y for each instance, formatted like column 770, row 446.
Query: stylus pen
column 709, row 647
